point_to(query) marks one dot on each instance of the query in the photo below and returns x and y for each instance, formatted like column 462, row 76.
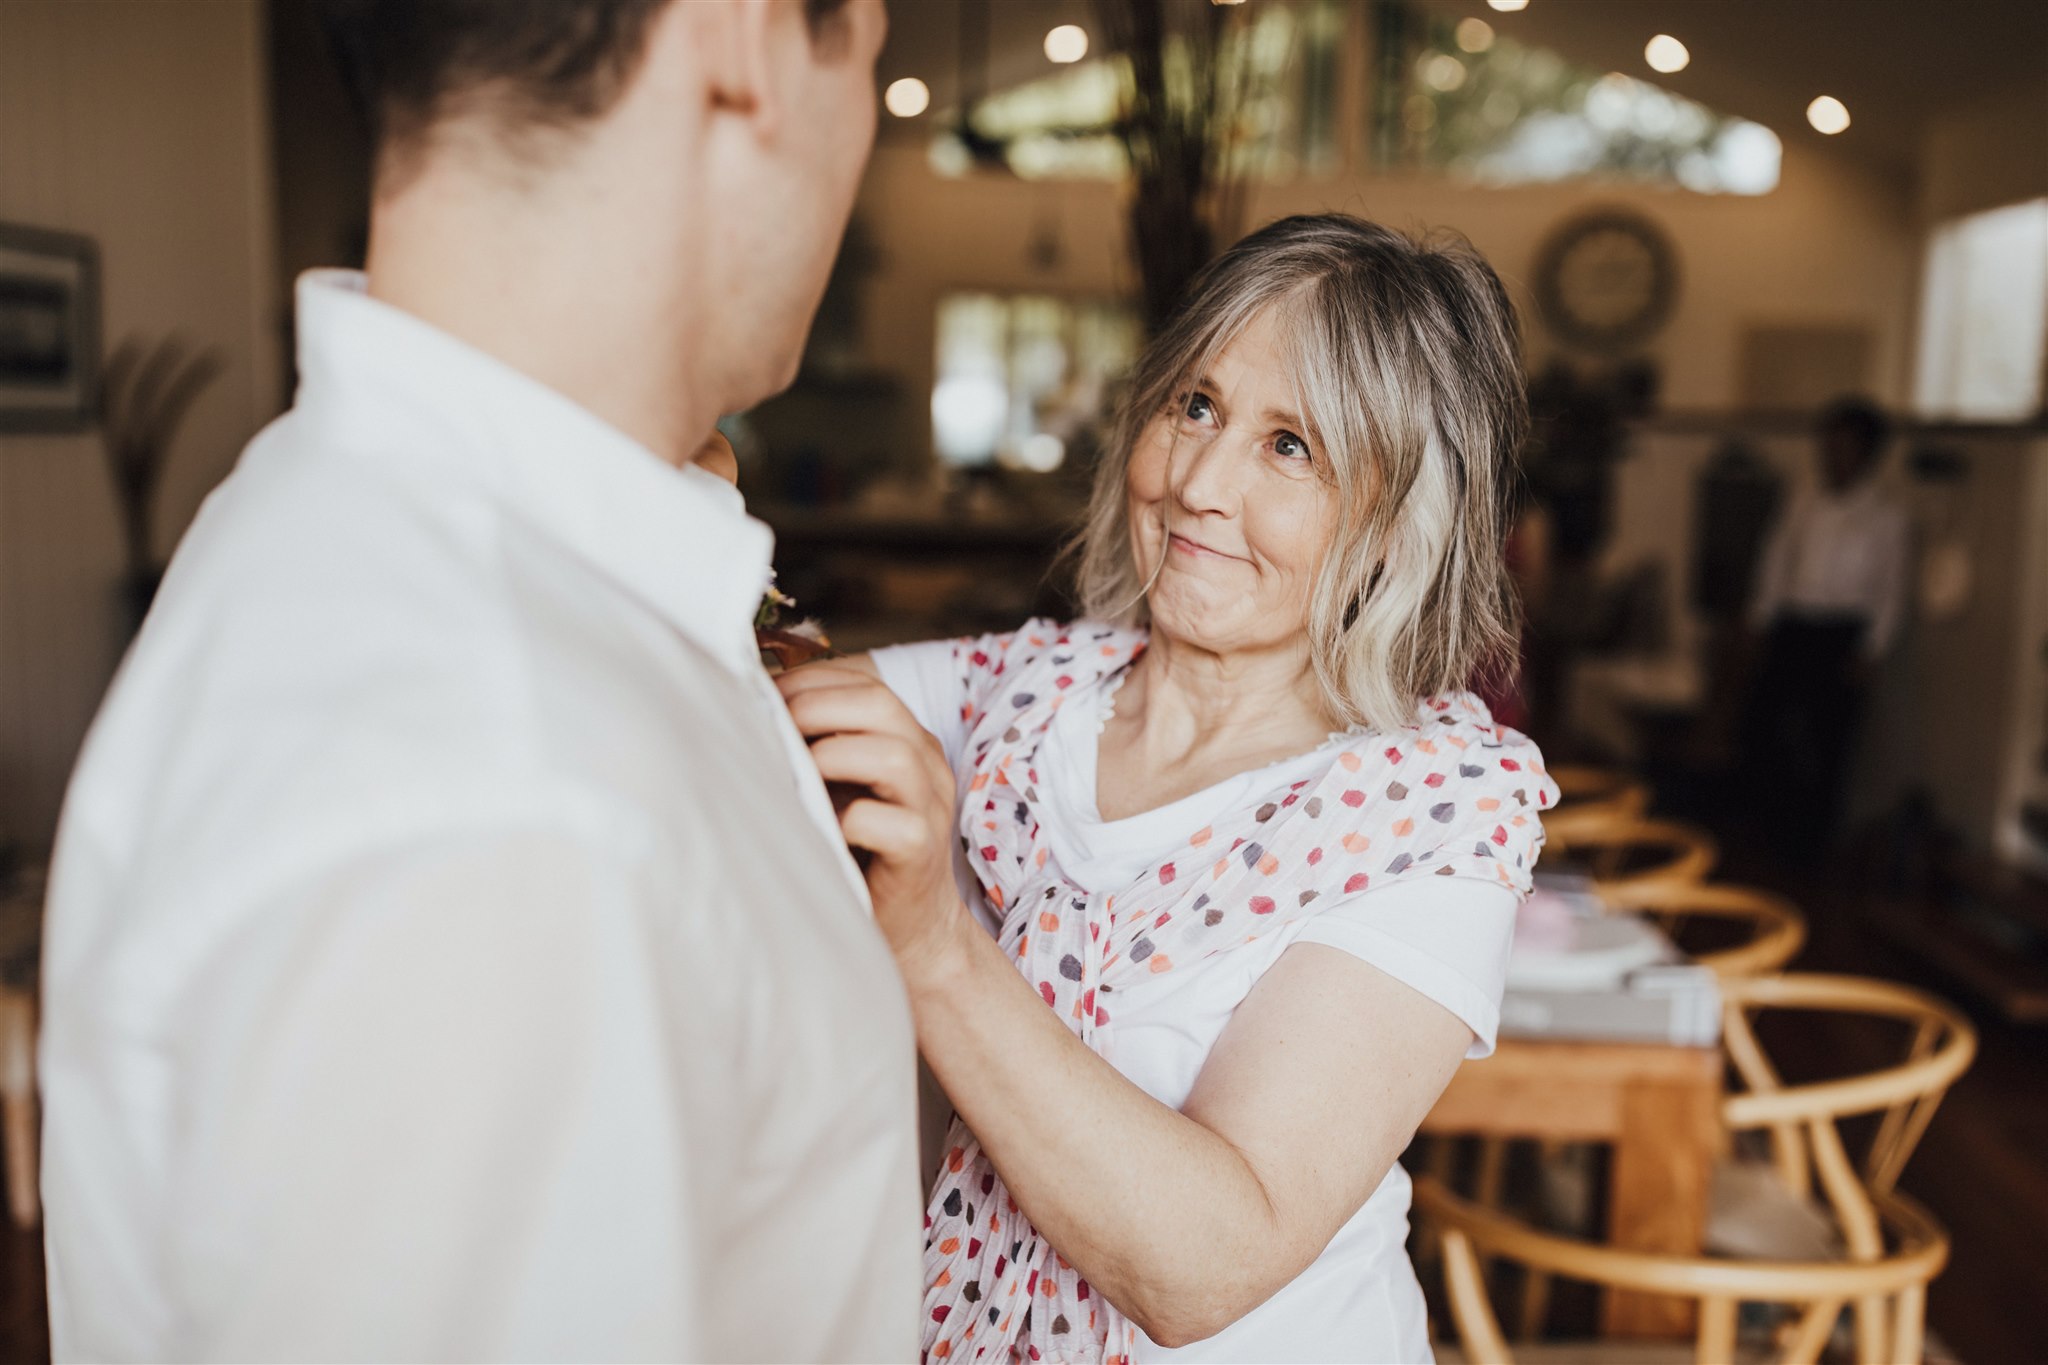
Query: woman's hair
column 1406, row 355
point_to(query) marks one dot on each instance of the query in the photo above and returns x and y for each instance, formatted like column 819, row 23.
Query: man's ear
column 742, row 40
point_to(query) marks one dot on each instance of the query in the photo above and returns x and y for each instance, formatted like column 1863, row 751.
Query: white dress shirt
column 1838, row 554
column 450, row 953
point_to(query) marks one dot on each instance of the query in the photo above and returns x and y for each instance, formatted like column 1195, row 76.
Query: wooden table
column 1658, row 1104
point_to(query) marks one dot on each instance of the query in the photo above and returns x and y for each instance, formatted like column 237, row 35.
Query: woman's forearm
column 1160, row 1214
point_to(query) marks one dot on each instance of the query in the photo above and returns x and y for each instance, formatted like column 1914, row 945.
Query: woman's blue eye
column 1291, row 446
column 1198, row 406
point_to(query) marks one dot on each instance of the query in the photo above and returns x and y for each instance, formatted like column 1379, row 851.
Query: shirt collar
column 679, row 539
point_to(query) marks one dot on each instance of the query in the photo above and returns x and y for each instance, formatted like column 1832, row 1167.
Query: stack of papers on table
column 1578, row 971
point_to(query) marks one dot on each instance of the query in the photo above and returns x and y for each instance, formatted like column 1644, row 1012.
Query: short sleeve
column 946, row 683
column 1447, row 939
column 925, row 680
column 1483, row 792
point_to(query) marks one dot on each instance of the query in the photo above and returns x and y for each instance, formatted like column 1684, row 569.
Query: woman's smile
column 1195, row 549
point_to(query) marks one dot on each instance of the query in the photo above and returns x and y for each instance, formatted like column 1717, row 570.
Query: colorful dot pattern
column 1452, row 795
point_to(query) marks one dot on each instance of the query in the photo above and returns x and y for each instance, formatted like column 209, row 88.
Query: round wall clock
column 1607, row 280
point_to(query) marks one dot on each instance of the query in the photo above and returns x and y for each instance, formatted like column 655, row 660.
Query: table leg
column 1658, row 1191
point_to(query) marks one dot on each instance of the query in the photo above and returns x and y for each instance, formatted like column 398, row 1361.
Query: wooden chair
column 1802, row 1121
column 1818, row 1291
column 1614, row 853
column 1772, row 929
column 1594, row 798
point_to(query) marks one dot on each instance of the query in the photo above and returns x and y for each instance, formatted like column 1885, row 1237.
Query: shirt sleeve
column 1447, row 938
column 926, row 679
column 946, row 684
column 480, row 1124
column 1480, row 791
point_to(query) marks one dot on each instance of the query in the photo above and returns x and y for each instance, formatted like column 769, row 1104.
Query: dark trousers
column 1800, row 729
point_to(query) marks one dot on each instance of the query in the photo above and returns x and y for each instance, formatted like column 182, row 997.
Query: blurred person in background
column 1238, row 857
column 1830, row 595
column 452, row 954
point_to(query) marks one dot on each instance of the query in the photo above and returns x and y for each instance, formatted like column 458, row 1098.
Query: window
column 1021, row 378
column 1984, row 317
column 1459, row 98
column 1279, row 67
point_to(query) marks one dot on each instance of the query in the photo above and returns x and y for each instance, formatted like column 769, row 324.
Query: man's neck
column 542, row 280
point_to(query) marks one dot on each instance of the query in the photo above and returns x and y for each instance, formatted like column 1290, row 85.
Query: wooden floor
column 1982, row 1169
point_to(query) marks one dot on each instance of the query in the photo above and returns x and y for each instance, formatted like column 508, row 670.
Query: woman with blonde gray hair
column 1200, row 899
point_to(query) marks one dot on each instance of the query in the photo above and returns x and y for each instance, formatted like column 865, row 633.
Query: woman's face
column 1228, row 486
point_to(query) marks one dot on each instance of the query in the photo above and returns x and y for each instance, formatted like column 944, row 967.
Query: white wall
column 139, row 123
column 1958, row 711
column 2024, row 776
column 1990, row 151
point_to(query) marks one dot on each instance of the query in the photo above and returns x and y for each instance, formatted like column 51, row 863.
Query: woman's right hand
column 902, row 812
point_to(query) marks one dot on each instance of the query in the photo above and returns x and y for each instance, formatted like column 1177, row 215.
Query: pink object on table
column 1547, row 922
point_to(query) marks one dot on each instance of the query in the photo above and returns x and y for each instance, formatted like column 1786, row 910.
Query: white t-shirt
column 1447, row 938
column 451, row 950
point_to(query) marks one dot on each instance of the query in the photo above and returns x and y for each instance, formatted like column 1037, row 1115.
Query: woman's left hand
column 901, row 810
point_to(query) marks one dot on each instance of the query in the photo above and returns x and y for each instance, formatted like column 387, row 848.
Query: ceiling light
column 907, row 98
column 1442, row 71
column 1475, row 34
column 1067, row 43
column 1666, row 54
column 1508, row 6
column 1828, row 115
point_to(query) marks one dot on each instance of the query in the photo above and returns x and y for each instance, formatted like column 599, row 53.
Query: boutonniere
column 785, row 642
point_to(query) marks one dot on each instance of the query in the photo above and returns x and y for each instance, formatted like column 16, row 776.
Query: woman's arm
column 1185, row 1221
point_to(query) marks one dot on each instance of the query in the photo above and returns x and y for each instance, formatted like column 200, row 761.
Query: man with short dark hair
column 1829, row 597
column 452, row 952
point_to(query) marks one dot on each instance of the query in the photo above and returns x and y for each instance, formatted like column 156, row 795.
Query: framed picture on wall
column 49, row 329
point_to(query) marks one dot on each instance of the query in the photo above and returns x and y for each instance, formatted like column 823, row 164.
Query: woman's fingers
column 887, row 765
column 894, row 793
column 824, row 701
column 861, row 735
column 820, row 676
column 886, row 830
